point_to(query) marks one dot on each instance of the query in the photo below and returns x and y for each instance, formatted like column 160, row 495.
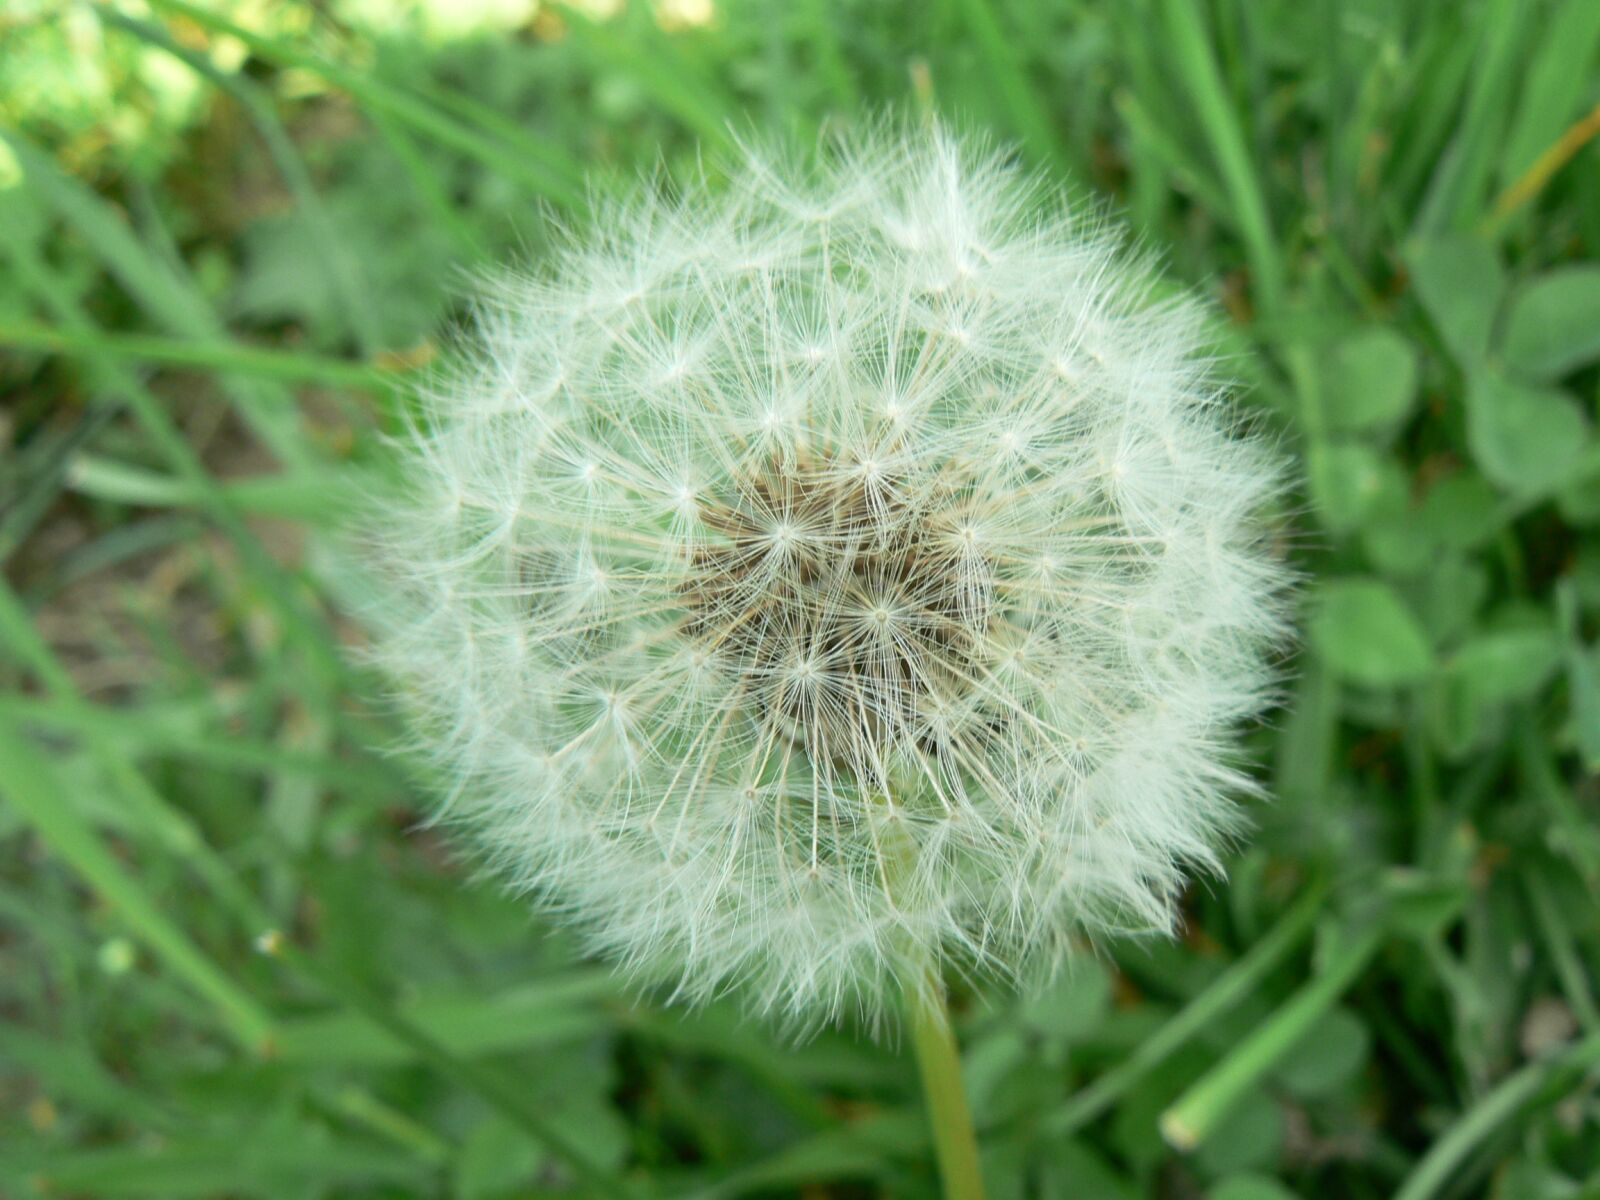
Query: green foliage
column 1553, row 326
column 1369, row 380
column 235, row 961
column 1364, row 632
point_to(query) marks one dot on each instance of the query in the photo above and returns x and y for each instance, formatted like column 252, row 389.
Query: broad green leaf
column 1135, row 1124
column 1527, row 439
column 1583, row 682
column 1460, row 282
column 1402, row 538
column 1366, row 634
column 1073, row 1171
column 1075, row 1005
column 1506, row 665
column 1250, row 1187
column 1579, row 501
column 1553, row 324
column 1395, row 542
column 1530, row 1179
column 500, row 1160
column 1461, row 511
column 405, row 259
column 1488, row 673
column 1249, row 1135
column 1331, row 1054
column 496, row 1160
column 1423, row 906
column 1453, row 590
column 991, row 1066
column 1346, row 481
column 1369, row 379
column 1343, row 952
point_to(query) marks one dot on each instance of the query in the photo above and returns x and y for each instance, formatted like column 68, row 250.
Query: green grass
column 235, row 962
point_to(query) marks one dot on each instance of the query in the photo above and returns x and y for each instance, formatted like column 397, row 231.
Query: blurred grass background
column 232, row 964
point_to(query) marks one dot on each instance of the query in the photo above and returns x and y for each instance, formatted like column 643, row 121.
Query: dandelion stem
column 939, row 1062
column 955, row 1141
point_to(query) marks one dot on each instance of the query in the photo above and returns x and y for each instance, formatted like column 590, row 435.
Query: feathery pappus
column 846, row 567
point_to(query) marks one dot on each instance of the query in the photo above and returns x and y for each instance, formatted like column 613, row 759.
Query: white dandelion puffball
column 845, row 568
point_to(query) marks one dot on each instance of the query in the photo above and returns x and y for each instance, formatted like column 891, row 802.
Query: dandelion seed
column 839, row 563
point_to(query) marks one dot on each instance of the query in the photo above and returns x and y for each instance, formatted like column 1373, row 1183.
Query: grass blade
column 1026, row 114
column 173, row 301
column 657, row 66
column 1548, row 1078
column 1554, row 77
column 1196, row 64
column 226, row 356
column 309, row 632
column 527, row 163
column 1191, row 1119
column 23, row 777
column 343, row 271
column 185, row 734
column 29, row 784
column 1231, row 987
column 1455, row 193
column 542, row 1013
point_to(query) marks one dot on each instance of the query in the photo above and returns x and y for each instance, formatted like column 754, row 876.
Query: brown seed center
column 851, row 611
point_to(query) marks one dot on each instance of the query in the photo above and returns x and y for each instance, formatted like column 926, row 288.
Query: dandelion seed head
column 847, row 566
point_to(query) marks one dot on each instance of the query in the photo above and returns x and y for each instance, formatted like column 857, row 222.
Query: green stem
column 1495, row 1111
column 939, row 1061
column 955, row 1141
column 1231, row 987
column 1196, row 1113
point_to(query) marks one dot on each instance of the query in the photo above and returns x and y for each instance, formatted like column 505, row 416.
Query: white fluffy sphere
column 847, row 568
